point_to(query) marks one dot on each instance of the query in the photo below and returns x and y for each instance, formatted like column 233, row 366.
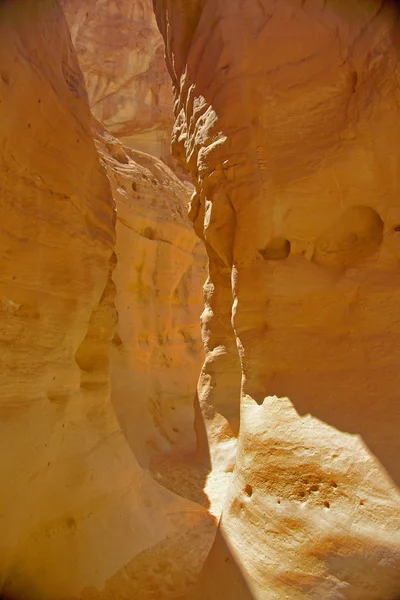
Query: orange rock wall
column 161, row 264
column 79, row 518
column 287, row 117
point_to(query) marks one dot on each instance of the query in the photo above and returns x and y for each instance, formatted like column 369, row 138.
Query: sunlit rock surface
column 287, row 115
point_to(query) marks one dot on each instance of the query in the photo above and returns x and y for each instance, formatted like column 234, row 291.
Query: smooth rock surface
column 79, row 518
column 160, row 270
column 287, row 115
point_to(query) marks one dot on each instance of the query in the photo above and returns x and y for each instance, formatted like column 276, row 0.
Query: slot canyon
column 200, row 300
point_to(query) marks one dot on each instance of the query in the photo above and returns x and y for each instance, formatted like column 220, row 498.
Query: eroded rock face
column 287, row 117
column 121, row 54
column 78, row 517
column 161, row 266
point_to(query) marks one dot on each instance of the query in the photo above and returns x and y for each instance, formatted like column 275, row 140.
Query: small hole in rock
column 396, row 228
column 70, row 522
column 248, row 490
column 334, row 484
column 277, row 249
column 302, row 494
column 326, row 504
column 134, row 186
column 149, row 233
column 116, row 341
column 278, row 501
column 361, row 502
column 314, row 488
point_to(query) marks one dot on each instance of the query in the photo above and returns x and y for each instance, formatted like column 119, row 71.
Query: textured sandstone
column 157, row 350
column 121, row 54
column 287, row 117
column 79, row 518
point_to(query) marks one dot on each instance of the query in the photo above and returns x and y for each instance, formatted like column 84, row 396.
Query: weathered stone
column 79, row 518
column 287, row 117
column 121, row 54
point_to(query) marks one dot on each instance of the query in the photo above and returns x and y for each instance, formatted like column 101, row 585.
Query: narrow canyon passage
column 199, row 342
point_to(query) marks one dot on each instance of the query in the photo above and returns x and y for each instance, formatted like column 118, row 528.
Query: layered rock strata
column 287, row 117
column 79, row 518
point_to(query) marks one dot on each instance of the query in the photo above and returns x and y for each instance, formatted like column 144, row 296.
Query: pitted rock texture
column 121, row 54
column 79, row 518
column 287, row 117
column 160, row 270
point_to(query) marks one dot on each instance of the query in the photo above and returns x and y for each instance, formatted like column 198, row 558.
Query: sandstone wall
column 121, row 54
column 287, row 117
column 160, row 270
column 161, row 265
column 78, row 517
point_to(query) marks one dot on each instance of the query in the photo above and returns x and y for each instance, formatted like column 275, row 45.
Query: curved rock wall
column 161, row 264
column 287, row 117
column 121, row 54
column 78, row 517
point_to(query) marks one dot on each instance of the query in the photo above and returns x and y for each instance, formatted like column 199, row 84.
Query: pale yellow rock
column 287, row 116
column 161, row 266
column 310, row 514
column 78, row 517
column 121, row 54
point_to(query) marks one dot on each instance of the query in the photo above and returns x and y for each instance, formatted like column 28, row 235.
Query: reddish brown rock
column 287, row 116
column 121, row 54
